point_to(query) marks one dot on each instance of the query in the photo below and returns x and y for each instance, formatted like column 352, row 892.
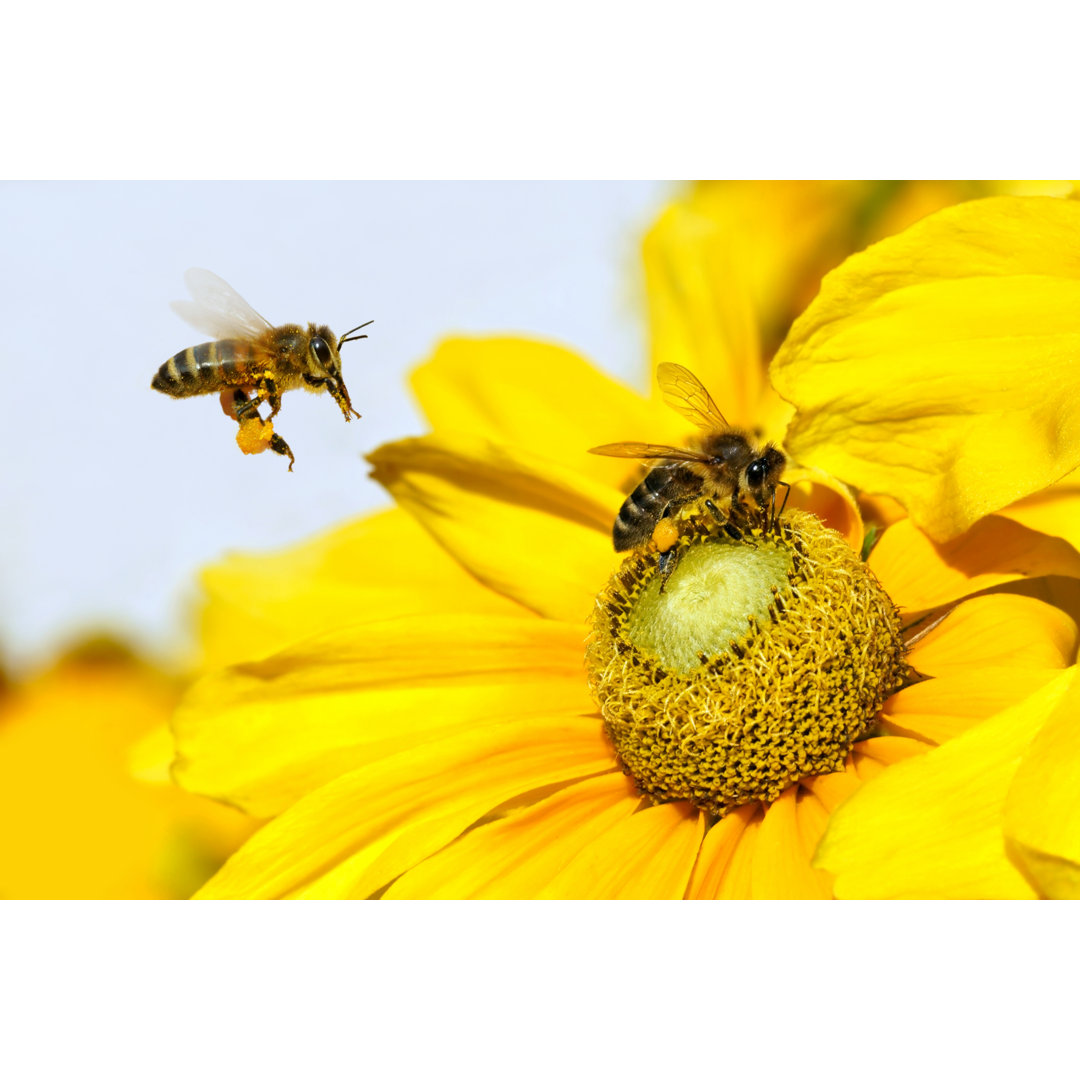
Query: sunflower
column 407, row 697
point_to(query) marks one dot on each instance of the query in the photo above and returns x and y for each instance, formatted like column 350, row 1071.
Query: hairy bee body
column 732, row 464
column 721, row 464
column 253, row 362
column 282, row 353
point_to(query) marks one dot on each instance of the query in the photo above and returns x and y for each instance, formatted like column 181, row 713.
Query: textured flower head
column 407, row 697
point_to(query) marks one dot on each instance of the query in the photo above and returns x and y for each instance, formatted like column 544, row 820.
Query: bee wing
column 684, row 393
column 217, row 308
column 649, row 450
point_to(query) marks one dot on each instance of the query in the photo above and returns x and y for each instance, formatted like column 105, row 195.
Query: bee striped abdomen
column 201, row 369
column 642, row 509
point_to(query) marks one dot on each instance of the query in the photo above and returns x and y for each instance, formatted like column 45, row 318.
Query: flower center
column 758, row 662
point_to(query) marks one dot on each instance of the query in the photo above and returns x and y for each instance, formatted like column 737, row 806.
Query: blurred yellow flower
column 406, row 696
column 87, row 810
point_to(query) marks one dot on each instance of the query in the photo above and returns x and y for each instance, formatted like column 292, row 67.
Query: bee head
column 324, row 359
column 326, row 349
column 763, row 473
column 324, row 362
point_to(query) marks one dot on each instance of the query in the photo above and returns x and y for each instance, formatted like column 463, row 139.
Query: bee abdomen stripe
column 184, row 366
column 197, row 362
column 196, row 369
column 221, row 356
column 168, row 376
column 654, row 481
column 643, row 500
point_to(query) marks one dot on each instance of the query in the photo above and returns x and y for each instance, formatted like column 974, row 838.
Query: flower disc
column 760, row 661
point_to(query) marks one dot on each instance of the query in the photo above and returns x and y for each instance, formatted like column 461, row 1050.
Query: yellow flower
column 84, row 813
column 406, row 696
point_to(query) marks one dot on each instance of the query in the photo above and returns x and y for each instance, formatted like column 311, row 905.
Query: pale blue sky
column 112, row 496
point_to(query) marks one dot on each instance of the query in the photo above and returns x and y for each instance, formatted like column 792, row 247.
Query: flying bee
column 251, row 357
column 722, row 464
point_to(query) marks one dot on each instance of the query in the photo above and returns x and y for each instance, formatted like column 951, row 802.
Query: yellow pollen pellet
column 254, row 435
column 666, row 535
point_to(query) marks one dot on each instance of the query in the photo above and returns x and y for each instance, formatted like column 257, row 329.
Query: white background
column 112, row 495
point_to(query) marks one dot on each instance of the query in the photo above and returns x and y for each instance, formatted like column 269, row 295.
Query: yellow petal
column 533, row 531
column 880, row 511
column 781, row 868
column 515, row 857
column 987, row 654
column 731, row 263
column 932, row 826
column 701, row 313
column 832, row 789
column 262, row 734
column 1060, row 592
column 942, row 708
column 907, row 201
column 813, row 817
column 826, row 498
column 536, row 397
column 353, row 836
column 1042, row 811
column 901, row 203
column 150, row 758
column 866, row 768
column 999, row 630
column 941, row 366
column 1055, row 511
column 648, row 856
column 920, row 574
column 887, row 749
column 374, row 568
column 778, row 237
column 737, row 882
column 717, row 851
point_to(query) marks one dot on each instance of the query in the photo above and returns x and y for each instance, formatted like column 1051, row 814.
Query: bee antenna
column 345, row 337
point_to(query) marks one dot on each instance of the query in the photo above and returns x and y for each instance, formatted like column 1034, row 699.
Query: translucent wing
column 217, row 308
column 685, row 394
column 649, row 450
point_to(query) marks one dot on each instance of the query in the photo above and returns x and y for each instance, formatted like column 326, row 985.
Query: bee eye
column 756, row 471
column 321, row 350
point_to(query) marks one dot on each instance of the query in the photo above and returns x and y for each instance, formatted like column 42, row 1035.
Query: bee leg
column 280, row 446
column 241, row 406
column 336, row 392
column 783, row 505
column 668, row 561
column 725, row 519
column 268, row 391
column 342, row 399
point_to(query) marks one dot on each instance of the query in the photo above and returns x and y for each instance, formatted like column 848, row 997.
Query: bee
column 722, row 464
column 251, row 357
